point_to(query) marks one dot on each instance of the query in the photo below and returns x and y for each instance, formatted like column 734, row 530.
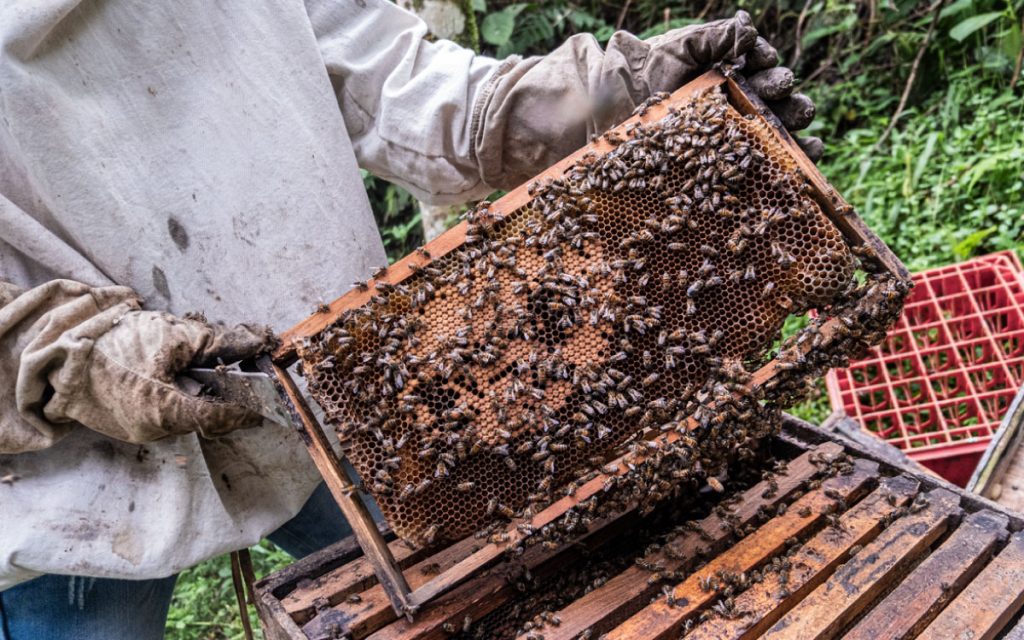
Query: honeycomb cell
column 624, row 294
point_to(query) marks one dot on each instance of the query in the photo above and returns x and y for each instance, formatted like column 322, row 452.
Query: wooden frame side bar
column 344, row 491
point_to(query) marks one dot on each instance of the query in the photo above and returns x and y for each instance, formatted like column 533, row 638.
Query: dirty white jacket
column 205, row 155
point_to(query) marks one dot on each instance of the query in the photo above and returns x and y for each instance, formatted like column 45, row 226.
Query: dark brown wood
column 342, row 488
column 274, row 620
column 1016, row 633
column 662, row 620
column 801, row 434
column 824, row 612
column 487, row 592
column 988, row 603
column 628, row 592
column 764, row 603
column 923, row 594
column 335, row 585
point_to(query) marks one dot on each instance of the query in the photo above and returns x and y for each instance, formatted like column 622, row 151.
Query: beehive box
column 635, row 287
column 819, row 539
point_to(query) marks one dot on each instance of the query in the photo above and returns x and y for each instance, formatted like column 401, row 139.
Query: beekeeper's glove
column 77, row 355
column 541, row 109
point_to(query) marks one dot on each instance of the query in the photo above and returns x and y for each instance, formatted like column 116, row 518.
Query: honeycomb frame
column 847, row 230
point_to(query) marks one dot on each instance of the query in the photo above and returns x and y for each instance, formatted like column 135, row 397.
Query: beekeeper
column 170, row 170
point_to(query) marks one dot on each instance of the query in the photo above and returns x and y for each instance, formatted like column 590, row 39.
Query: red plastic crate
column 939, row 384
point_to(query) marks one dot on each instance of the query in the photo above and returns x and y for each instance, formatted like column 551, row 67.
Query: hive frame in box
column 403, row 599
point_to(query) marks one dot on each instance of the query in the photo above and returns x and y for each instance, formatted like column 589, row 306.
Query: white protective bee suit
column 198, row 156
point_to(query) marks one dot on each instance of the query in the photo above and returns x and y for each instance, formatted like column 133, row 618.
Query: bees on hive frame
column 637, row 291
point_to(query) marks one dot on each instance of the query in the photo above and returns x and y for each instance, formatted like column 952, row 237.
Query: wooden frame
column 404, row 599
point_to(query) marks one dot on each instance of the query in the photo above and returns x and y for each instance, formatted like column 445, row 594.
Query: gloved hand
column 678, row 56
column 74, row 355
column 774, row 85
column 539, row 110
column 129, row 390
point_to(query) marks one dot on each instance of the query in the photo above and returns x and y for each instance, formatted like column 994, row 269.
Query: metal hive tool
column 634, row 287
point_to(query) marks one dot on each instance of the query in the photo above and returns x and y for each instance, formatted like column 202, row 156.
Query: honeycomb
column 624, row 296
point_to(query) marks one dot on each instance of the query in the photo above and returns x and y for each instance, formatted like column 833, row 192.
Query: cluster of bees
column 630, row 299
column 540, row 595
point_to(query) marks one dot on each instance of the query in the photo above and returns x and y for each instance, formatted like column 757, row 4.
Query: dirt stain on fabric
column 160, row 282
column 178, row 233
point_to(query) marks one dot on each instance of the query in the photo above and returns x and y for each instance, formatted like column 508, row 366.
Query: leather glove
column 74, row 354
column 539, row 110
column 129, row 392
column 774, row 85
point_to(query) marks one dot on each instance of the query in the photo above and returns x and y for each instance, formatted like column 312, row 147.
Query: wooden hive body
column 835, row 543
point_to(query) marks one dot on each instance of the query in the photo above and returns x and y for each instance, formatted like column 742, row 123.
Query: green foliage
column 948, row 183
column 397, row 214
column 204, row 605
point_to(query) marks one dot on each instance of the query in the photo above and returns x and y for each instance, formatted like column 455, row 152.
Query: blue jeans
column 54, row 607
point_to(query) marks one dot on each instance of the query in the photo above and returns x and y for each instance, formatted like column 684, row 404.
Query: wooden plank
column 335, row 585
column 662, row 620
column 454, row 237
column 760, row 606
column 923, row 594
column 628, row 592
column 317, row 564
column 802, row 434
column 364, row 529
column 1016, row 633
column 371, row 611
column 485, row 593
column 824, row 612
column 988, row 603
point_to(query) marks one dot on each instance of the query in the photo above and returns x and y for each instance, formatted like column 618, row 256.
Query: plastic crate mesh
column 939, row 385
column 523, row 359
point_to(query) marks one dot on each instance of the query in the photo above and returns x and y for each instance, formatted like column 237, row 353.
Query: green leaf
column 955, row 8
column 972, row 24
column 843, row 26
column 1010, row 40
column 966, row 247
column 926, row 155
column 497, row 27
column 481, row 6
